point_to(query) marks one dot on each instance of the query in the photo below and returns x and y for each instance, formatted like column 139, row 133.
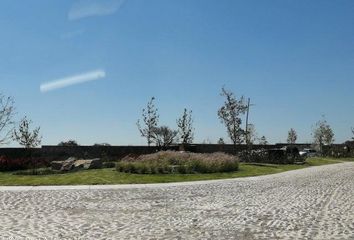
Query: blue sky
column 294, row 59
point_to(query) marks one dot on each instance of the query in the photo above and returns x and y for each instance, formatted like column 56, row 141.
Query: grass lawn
column 111, row 176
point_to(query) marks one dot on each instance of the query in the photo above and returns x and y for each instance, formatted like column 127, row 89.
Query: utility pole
column 248, row 110
column 247, row 114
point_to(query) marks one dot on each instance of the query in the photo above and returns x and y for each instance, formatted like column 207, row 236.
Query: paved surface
column 312, row 203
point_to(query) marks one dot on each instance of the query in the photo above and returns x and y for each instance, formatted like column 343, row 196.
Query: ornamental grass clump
column 165, row 162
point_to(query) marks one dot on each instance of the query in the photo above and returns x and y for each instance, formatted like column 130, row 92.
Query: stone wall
column 118, row 152
column 110, row 152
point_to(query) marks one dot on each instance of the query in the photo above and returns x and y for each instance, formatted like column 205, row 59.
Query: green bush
column 165, row 162
column 108, row 164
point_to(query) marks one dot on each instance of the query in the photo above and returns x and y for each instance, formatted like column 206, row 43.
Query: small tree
column 27, row 137
column 151, row 119
column 292, row 136
column 229, row 114
column 353, row 133
column 221, row 141
column 185, row 127
column 164, row 136
column 68, row 143
column 322, row 134
column 263, row 141
column 7, row 112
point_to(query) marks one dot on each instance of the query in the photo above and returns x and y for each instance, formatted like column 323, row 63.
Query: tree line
column 164, row 136
column 230, row 115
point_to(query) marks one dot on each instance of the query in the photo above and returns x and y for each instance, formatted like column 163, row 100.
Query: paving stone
column 311, row 203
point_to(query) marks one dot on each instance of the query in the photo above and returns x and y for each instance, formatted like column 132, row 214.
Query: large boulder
column 68, row 165
column 56, row 165
column 88, row 163
column 63, row 165
column 74, row 164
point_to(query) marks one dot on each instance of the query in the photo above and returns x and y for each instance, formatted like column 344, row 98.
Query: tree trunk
column 235, row 152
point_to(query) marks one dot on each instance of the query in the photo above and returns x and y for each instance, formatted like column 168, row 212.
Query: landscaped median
column 168, row 162
column 111, row 176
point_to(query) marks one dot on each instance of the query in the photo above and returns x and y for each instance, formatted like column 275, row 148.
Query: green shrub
column 182, row 169
column 140, row 168
column 178, row 162
column 108, row 164
column 126, row 167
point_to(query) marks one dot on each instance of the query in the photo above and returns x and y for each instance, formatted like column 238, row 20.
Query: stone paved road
column 312, row 203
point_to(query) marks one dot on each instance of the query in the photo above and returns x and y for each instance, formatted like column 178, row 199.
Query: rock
column 56, row 165
column 82, row 164
column 68, row 165
column 88, row 163
column 74, row 164
column 61, row 165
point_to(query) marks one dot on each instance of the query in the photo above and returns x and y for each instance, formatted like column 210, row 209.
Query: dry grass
column 179, row 162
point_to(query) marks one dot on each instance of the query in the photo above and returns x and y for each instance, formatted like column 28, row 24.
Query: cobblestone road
column 312, row 203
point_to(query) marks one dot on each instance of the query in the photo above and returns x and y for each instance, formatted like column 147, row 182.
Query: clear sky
column 294, row 59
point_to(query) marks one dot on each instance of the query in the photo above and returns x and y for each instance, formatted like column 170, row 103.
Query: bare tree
column 292, row 136
column 164, row 136
column 353, row 133
column 229, row 114
column 25, row 136
column 28, row 138
column 150, row 119
column 323, row 134
column 185, row 127
column 7, row 112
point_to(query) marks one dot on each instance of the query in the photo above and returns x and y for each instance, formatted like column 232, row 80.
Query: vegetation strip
column 111, row 176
